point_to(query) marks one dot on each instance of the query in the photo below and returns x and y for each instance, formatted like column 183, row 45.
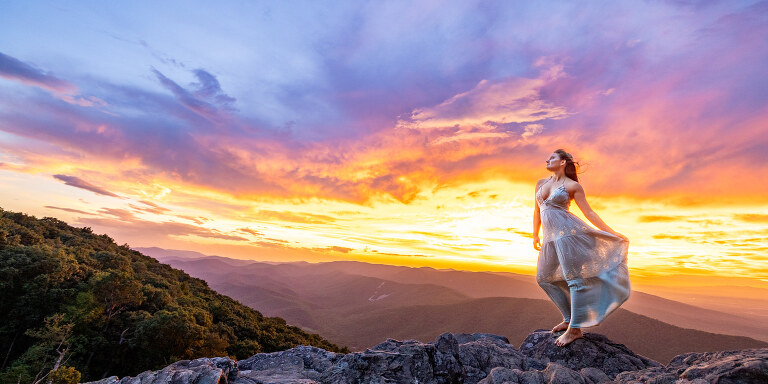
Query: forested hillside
column 77, row 301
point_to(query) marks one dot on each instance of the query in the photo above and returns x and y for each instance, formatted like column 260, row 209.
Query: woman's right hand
column 620, row 235
column 536, row 243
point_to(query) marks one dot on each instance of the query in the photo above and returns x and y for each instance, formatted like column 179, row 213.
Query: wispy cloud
column 121, row 214
column 14, row 69
column 658, row 218
column 483, row 110
column 80, row 183
column 333, row 249
column 250, row 231
column 158, row 229
column 208, row 100
column 72, row 210
column 150, row 207
column 752, row 217
column 301, row 217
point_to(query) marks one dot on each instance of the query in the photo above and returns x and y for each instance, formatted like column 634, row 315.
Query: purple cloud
column 153, row 208
column 156, row 229
column 208, row 101
column 200, row 107
column 121, row 214
column 155, row 129
column 208, row 87
column 77, row 182
column 16, row 70
column 69, row 210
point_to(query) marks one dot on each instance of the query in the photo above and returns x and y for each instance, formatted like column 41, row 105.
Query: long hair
column 570, row 165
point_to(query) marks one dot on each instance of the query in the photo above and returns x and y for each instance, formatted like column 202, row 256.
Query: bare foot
column 569, row 336
column 560, row 327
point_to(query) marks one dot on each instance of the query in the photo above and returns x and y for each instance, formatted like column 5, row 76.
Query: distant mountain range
column 358, row 304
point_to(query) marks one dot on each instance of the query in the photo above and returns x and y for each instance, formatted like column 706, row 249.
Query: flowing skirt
column 583, row 270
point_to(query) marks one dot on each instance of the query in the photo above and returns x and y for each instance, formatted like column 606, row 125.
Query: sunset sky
column 398, row 132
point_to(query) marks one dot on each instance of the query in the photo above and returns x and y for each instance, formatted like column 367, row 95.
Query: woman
column 583, row 270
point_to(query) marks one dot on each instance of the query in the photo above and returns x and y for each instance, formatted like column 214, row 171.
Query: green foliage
column 74, row 298
column 18, row 373
column 65, row 375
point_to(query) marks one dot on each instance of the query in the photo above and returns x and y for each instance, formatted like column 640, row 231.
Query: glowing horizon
column 397, row 133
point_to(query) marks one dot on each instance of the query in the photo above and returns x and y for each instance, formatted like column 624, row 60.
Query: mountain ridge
column 70, row 296
column 357, row 326
column 676, row 313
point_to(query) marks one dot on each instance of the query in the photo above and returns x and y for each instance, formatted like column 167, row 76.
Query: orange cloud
column 752, row 217
column 652, row 219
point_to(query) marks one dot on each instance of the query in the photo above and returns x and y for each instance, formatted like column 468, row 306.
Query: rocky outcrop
column 199, row 371
column 303, row 364
column 593, row 351
column 744, row 366
column 467, row 358
column 401, row 361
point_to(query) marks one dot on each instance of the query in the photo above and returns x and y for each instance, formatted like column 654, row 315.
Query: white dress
column 583, row 270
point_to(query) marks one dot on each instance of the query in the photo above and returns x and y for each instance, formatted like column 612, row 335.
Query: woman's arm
column 536, row 219
column 581, row 200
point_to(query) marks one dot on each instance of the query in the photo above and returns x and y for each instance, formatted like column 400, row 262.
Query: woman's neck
column 557, row 177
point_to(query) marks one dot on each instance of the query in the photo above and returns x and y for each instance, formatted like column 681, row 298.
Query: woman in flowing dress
column 582, row 269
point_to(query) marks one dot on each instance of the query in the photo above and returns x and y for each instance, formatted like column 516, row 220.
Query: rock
column 466, row 358
column 556, row 374
column 217, row 370
column 302, row 364
column 594, row 376
column 108, row 380
column 408, row 361
column 500, row 375
column 479, row 353
column 592, row 351
column 553, row 373
column 742, row 366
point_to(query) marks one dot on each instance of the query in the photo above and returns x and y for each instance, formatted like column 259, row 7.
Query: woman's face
column 553, row 162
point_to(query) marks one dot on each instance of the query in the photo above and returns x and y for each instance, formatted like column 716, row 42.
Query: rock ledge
column 466, row 358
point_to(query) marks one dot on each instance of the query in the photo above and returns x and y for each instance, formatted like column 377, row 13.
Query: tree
column 65, row 375
column 52, row 347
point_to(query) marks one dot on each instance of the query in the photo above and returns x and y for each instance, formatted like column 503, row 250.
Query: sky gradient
column 407, row 133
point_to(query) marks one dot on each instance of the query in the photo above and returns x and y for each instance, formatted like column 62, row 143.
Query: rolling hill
column 359, row 309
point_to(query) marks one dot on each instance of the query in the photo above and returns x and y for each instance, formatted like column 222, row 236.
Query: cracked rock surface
column 467, row 358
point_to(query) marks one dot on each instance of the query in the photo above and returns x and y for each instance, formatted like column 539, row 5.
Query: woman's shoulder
column 572, row 185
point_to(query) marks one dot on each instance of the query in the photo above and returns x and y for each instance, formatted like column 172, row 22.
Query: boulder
column 408, row 361
column 479, row 353
column 216, row 370
column 553, row 373
column 302, row 364
column 591, row 351
column 742, row 366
